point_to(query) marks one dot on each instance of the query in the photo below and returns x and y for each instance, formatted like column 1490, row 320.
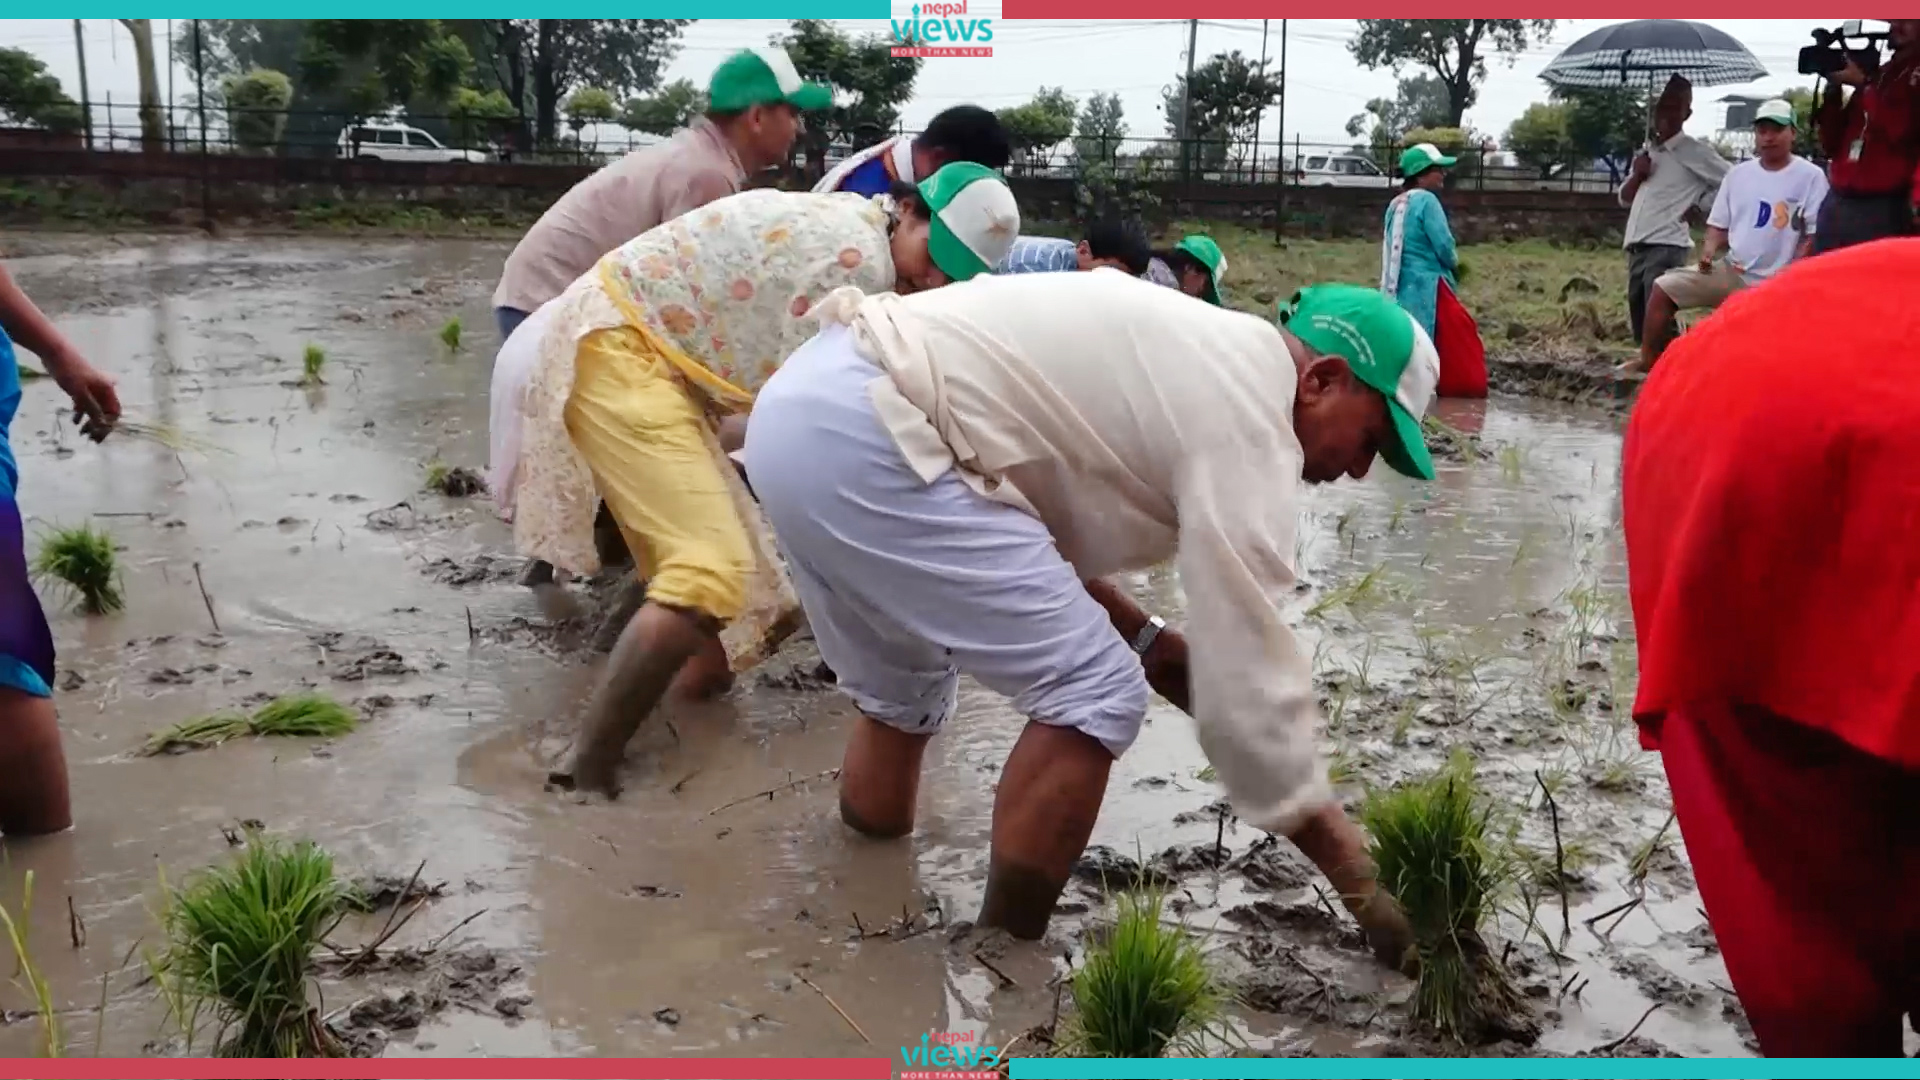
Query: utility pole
column 1186, row 103
column 1262, row 115
column 86, row 104
column 1280, row 209
column 170, row 113
column 200, row 81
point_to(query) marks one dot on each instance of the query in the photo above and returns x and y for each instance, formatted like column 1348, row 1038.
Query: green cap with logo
column 1208, row 253
column 1420, row 157
column 975, row 219
column 1385, row 349
column 763, row 77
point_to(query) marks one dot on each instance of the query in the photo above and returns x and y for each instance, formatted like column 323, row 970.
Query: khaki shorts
column 1688, row 288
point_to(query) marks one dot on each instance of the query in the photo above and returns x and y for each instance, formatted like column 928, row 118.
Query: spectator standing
column 1872, row 143
column 1676, row 175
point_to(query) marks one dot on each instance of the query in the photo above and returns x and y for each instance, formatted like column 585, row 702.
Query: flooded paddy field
column 720, row 907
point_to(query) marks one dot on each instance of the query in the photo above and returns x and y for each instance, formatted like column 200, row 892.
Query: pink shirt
column 613, row 206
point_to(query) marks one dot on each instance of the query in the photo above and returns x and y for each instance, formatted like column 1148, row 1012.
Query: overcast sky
column 1134, row 58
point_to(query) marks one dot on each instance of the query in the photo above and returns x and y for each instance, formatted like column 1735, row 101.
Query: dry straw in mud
column 1144, row 987
column 82, row 560
column 239, row 942
column 293, row 715
column 1435, row 845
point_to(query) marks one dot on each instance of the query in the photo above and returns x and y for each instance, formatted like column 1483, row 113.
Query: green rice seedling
column 1438, row 853
column 450, row 334
column 311, row 362
column 1143, row 988
column 27, row 975
column 291, row 715
column 82, row 560
column 1206, row 774
column 1403, row 721
column 239, row 939
column 1343, row 766
column 1642, row 861
column 1398, row 518
column 1512, row 463
column 1356, row 596
column 306, row 714
column 28, row 373
column 167, row 436
column 437, row 472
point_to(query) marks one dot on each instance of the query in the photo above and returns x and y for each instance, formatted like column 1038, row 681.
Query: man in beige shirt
column 946, row 471
column 753, row 115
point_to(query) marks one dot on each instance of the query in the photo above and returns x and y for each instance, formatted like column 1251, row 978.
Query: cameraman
column 1872, row 142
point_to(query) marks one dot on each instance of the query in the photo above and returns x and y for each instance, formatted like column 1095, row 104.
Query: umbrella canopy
column 1647, row 52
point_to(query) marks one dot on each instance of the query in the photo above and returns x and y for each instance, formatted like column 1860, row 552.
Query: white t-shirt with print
column 1766, row 212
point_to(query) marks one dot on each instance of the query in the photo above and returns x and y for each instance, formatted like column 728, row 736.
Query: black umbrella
column 1648, row 52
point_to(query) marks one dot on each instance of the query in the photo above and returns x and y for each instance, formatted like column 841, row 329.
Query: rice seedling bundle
column 82, row 560
column 293, row 715
column 311, row 362
column 166, row 435
column 239, row 939
column 1143, row 987
column 450, row 334
column 1436, row 852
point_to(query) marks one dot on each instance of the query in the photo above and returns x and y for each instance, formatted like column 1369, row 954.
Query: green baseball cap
column 1420, row 157
column 1778, row 110
column 1204, row 249
column 763, row 77
column 1385, row 348
column 975, row 219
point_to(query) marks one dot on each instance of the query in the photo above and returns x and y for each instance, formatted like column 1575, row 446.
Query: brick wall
column 175, row 188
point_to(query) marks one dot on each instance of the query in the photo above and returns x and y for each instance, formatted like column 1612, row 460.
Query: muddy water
column 698, row 914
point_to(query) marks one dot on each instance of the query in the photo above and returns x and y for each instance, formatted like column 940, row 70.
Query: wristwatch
column 1148, row 635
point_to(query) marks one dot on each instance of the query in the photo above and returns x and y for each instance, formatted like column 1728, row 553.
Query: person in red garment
column 1771, row 503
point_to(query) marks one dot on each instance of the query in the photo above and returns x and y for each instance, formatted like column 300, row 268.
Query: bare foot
column 538, row 572
column 586, row 778
column 1635, row 366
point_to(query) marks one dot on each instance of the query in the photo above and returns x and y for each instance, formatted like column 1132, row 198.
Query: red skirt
column 1456, row 337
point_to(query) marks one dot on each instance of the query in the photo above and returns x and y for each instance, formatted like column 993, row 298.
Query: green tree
column 1605, row 125
column 32, row 98
column 257, row 107
column 665, row 111
column 1034, row 129
column 589, row 105
column 1229, row 94
column 870, row 84
column 1455, row 50
column 1418, row 101
column 380, row 64
column 1804, row 142
column 479, row 117
column 1539, row 139
column 1101, row 129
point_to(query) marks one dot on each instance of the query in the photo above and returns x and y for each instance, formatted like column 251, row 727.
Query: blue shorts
column 26, row 643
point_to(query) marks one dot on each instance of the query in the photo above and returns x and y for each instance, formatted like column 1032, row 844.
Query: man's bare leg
column 1657, row 331
column 650, row 652
column 1043, row 814
column 33, row 767
column 880, row 779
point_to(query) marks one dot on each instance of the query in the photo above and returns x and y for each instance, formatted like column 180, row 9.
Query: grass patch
column 313, row 715
column 239, row 941
column 1433, row 841
column 82, row 560
column 27, row 975
column 1144, row 987
column 312, row 362
column 455, row 481
column 450, row 334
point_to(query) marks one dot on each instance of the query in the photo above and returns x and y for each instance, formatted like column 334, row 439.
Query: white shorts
column 906, row 584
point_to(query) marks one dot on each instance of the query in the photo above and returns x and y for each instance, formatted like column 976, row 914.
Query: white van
column 387, row 141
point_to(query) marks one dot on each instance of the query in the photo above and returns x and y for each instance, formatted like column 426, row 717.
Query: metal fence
column 118, row 126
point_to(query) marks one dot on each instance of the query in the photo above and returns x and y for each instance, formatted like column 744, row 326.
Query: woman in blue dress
column 1419, row 267
column 33, row 767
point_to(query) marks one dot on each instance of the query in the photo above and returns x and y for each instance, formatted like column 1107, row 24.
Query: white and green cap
column 975, row 219
column 1778, row 110
column 1385, row 348
column 1207, row 254
column 763, row 77
column 1420, row 157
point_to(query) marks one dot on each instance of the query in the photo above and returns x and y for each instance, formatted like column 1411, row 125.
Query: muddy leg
column 1049, row 798
column 626, row 604
column 880, row 779
column 648, row 655
column 608, row 542
column 705, row 675
column 33, row 767
column 538, row 572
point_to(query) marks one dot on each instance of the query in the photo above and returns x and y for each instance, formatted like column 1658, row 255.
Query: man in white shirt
column 1763, row 218
column 948, row 471
column 1672, row 179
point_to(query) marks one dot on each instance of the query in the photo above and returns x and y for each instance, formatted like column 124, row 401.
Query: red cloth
column 1770, row 496
column 1807, row 854
column 1887, row 115
column 1456, row 337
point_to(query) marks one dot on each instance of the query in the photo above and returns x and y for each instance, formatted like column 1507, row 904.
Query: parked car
column 379, row 141
column 1338, row 170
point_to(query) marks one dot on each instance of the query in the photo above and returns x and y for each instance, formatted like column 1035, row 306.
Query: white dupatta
column 1394, row 246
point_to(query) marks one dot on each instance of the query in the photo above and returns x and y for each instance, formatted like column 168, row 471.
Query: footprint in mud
column 358, row 658
column 178, row 676
column 484, row 568
column 1101, row 869
column 1292, row 921
column 1269, row 865
column 1657, row 982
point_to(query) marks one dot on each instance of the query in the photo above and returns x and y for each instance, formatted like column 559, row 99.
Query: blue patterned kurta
column 1417, row 254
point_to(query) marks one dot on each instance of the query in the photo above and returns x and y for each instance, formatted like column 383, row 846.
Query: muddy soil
column 718, row 905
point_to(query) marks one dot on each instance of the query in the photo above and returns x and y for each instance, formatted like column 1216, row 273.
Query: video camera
column 1829, row 54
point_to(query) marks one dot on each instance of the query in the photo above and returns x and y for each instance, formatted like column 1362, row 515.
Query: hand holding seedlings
column 96, row 404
